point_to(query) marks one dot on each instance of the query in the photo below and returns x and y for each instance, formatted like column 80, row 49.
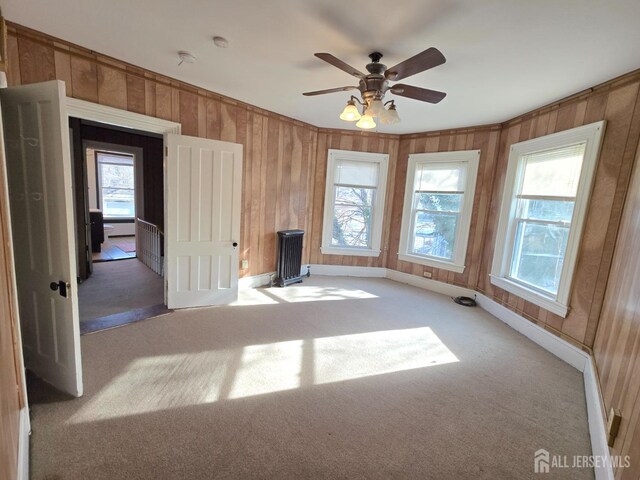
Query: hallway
column 119, row 286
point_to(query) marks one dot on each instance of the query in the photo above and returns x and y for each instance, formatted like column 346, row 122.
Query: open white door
column 204, row 182
column 36, row 137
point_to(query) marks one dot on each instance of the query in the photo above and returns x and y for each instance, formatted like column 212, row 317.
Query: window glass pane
column 552, row 210
column 539, row 254
column 351, row 226
column 434, row 234
column 439, row 201
column 354, row 196
column 440, row 177
column 553, row 172
column 117, row 190
column 356, row 173
column 117, row 159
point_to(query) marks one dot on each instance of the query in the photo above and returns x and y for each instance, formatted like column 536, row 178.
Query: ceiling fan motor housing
column 375, row 84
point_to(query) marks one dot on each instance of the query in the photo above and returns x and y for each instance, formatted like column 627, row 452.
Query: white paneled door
column 36, row 136
column 203, row 195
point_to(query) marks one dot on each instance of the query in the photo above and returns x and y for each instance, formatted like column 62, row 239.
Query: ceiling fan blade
column 431, row 57
column 327, row 57
column 329, row 90
column 417, row 93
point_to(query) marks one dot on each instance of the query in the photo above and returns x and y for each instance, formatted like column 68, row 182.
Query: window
column 543, row 208
column 354, row 203
column 438, row 201
column 116, row 185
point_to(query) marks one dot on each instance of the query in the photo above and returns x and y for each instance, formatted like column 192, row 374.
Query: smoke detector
column 221, row 42
column 186, row 57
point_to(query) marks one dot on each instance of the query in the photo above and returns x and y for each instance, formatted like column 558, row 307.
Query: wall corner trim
column 23, row 445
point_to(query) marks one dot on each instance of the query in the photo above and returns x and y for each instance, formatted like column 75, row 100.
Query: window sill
column 529, row 295
column 118, row 220
column 431, row 262
column 350, row 252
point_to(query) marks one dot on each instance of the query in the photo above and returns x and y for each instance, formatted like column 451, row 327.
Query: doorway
column 202, row 238
column 119, row 196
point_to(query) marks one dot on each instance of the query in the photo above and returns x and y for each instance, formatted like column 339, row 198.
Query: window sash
column 516, row 256
column 363, row 206
column 106, row 189
column 411, row 248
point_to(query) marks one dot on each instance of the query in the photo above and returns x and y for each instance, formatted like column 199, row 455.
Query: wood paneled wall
column 279, row 153
column 618, row 103
column 484, row 139
column 617, row 344
column 285, row 163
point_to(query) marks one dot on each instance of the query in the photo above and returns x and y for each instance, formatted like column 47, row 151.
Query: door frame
column 122, row 118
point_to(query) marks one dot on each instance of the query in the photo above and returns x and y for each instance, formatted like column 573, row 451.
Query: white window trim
column 378, row 206
column 592, row 135
column 472, row 158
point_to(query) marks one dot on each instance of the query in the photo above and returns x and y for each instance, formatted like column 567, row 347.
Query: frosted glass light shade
column 350, row 112
column 376, row 107
column 390, row 117
column 366, row 122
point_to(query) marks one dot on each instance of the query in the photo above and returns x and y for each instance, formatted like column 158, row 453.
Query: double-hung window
column 116, row 185
column 354, row 203
column 544, row 204
column 438, row 201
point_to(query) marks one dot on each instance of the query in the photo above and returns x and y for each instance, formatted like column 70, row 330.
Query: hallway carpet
column 334, row 378
column 119, row 286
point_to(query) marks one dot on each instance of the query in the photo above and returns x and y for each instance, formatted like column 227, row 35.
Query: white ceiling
column 504, row 57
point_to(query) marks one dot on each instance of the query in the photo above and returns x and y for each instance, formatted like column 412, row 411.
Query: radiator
column 289, row 257
column 149, row 246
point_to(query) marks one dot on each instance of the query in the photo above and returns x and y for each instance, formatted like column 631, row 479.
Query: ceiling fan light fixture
column 366, row 122
column 350, row 112
column 390, row 116
column 375, row 107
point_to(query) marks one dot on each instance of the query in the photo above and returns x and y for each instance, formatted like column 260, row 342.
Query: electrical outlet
column 245, row 264
column 426, row 274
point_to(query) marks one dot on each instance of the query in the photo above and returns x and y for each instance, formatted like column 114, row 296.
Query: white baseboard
column 547, row 340
column 597, row 428
column 429, row 284
column 23, row 445
column 255, row 281
column 345, row 271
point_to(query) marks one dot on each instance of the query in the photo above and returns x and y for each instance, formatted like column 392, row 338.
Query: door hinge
column 166, row 151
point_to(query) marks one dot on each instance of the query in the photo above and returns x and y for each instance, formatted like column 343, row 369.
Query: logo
column 541, row 461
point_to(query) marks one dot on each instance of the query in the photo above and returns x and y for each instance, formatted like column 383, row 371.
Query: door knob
column 62, row 287
column 235, row 244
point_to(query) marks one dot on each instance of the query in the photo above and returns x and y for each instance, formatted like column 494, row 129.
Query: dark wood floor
column 111, row 250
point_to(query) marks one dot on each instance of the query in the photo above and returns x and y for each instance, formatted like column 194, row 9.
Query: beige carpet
column 335, row 378
column 119, row 286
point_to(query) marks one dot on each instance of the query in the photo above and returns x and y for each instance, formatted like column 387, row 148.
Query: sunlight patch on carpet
column 173, row 381
column 298, row 293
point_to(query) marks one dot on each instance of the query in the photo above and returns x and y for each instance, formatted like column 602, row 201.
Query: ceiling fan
column 375, row 84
